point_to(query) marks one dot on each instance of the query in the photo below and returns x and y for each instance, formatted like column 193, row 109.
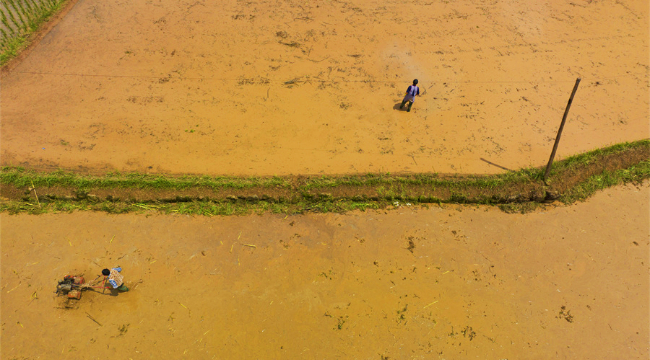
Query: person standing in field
column 411, row 93
column 115, row 279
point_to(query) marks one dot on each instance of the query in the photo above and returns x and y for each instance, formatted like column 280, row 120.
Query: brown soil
column 436, row 283
column 519, row 192
column 270, row 88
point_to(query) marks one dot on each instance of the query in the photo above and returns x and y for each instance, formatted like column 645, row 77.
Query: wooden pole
column 35, row 194
column 559, row 132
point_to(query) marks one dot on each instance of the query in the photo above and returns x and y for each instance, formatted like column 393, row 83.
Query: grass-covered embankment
column 572, row 179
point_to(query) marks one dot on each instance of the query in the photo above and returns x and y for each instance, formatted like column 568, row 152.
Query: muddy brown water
column 269, row 88
column 436, row 283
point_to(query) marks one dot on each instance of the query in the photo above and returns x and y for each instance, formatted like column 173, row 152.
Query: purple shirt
column 413, row 90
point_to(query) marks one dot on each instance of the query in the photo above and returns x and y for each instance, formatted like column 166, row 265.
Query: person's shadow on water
column 396, row 107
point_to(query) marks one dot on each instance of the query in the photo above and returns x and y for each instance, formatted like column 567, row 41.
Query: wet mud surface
column 450, row 282
column 270, row 88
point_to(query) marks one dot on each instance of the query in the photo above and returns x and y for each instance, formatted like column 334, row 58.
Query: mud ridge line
column 572, row 179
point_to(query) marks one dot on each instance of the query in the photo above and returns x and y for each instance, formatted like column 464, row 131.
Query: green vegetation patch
column 21, row 18
column 434, row 180
column 20, row 177
column 594, row 156
column 203, row 208
column 572, row 179
column 580, row 192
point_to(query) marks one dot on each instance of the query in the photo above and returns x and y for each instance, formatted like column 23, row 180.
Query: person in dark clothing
column 411, row 93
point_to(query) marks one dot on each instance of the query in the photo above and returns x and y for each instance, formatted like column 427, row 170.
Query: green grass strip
column 634, row 174
column 207, row 208
column 487, row 181
column 387, row 186
column 20, row 177
column 589, row 157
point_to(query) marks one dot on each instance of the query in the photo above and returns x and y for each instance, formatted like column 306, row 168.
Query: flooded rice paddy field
column 425, row 283
column 277, row 88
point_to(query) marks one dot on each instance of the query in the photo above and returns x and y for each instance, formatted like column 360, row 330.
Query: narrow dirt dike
column 522, row 186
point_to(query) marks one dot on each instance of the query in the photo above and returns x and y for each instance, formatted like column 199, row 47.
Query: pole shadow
column 497, row 165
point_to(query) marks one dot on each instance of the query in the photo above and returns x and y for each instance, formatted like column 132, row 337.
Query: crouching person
column 115, row 279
